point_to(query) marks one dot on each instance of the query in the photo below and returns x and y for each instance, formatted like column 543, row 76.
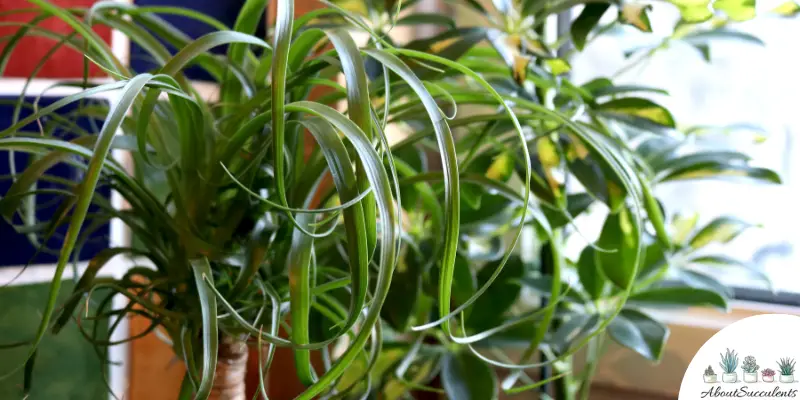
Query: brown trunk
column 229, row 381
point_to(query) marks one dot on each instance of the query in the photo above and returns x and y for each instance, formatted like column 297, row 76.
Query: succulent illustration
column 749, row 365
column 729, row 361
column 786, row 365
column 767, row 372
column 709, row 371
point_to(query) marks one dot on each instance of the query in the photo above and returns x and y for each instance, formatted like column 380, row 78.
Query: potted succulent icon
column 709, row 376
column 750, row 369
column 786, row 366
column 768, row 375
column 728, row 363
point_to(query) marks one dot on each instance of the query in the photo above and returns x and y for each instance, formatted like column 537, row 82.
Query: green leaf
column 720, row 230
column 638, row 108
column 713, row 169
column 471, row 195
column 464, row 283
column 724, row 261
column 738, row 10
column 690, row 162
column 575, row 327
column 298, row 267
column 451, row 44
column 655, row 214
column 611, row 90
column 404, row 292
column 208, row 307
column 465, row 377
column 704, row 37
column 591, row 277
column 620, row 237
column 703, row 281
column 705, row 51
column 652, row 260
column 635, row 14
column 679, row 297
column 427, row 18
column 658, row 150
column 488, row 310
column 594, row 173
column 586, row 21
column 577, row 203
column 303, row 45
column 358, row 109
column 639, row 332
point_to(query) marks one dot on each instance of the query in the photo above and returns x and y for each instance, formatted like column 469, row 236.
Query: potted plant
column 245, row 234
column 709, row 376
column 239, row 201
column 728, row 363
column 750, row 369
column 786, row 367
column 768, row 375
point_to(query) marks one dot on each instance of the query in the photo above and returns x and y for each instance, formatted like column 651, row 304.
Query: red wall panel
column 65, row 63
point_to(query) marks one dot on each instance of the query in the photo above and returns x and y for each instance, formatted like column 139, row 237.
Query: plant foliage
column 786, row 366
column 270, row 205
column 729, row 361
column 749, row 365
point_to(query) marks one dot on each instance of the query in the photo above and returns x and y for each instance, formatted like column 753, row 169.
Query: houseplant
column 709, row 376
column 218, row 259
column 786, row 367
column 768, row 375
column 750, row 369
column 245, row 236
column 728, row 363
column 518, row 61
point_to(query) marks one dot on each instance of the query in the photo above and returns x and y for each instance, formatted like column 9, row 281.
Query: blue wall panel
column 223, row 10
column 15, row 248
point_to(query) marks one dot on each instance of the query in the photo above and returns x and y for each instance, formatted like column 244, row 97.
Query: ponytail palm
column 236, row 228
column 244, row 216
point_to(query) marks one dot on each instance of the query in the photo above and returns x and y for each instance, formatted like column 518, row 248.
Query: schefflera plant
column 590, row 144
column 238, row 230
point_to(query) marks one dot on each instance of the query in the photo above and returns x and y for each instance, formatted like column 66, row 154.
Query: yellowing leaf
column 501, row 167
column 548, row 154
column 520, row 68
column 577, row 150
column 441, row 45
column 720, row 230
column 694, row 10
column 738, row 10
column 787, row 9
column 636, row 15
column 558, row 66
column 639, row 108
column 550, row 159
column 682, row 226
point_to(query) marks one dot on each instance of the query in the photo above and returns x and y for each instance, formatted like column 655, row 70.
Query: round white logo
column 752, row 358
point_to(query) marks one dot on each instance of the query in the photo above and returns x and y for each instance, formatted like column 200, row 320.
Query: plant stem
column 229, row 381
column 593, row 353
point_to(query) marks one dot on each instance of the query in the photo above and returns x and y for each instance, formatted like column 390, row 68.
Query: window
column 748, row 88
